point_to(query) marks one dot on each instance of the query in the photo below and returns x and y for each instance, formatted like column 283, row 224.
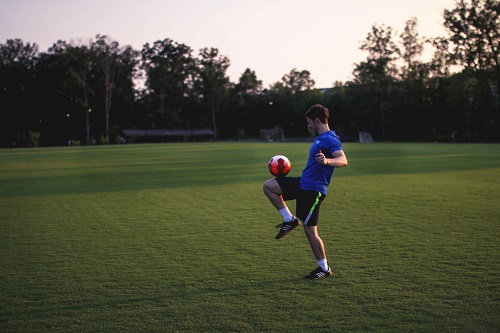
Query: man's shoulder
column 332, row 137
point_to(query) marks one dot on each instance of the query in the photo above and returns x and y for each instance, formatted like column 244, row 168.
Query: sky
column 270, row 37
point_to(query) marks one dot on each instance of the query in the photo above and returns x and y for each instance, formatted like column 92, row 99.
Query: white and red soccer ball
column 279, row 166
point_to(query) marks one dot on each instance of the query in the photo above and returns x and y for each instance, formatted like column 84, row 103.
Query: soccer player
column 311, row 188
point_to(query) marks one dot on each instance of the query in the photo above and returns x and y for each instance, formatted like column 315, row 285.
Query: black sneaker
column 319, row 273
column 286, row 227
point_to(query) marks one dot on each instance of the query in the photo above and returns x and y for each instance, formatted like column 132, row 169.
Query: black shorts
column 308, row 202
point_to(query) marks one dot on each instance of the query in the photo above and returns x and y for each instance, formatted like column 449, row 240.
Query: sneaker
column 319, row 273
column 286, row 227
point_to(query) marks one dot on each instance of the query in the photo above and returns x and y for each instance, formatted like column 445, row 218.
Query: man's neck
column 323, row 129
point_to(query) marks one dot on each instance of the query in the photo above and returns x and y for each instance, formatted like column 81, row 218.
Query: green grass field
column 180, row 238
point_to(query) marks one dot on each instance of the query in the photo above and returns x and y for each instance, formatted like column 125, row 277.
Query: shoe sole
column 307, row 277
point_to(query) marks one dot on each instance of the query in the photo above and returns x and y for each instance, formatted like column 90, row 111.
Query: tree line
column 89, row 93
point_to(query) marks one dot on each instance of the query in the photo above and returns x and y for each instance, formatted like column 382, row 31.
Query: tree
column 439, row 66
column 379, row 66
column 475, row 33
column 124, row 91
column 212, row 82
column 290, row 98
column 112, row 61
column 248, row 83
column 246, row 101
column 376, row 74
column 413, row 47
column 15, row 51
column 438, row 89
column 298, row 81
column 56, row 90
column 78, row 86
column 169, row 68
column 17, row 78
column 412, row 88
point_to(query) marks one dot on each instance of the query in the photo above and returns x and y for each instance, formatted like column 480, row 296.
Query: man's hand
column 320, row 158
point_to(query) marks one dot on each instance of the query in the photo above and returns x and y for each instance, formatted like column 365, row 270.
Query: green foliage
column 180, row 238
column 169, row 68
column 16, row 52
column 475, row 33
column 248, row 83
column 297, row 81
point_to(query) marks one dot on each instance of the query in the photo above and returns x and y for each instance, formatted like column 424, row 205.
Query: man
column 311, row 188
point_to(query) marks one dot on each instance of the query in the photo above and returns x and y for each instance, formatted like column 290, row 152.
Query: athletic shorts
column 307, row 202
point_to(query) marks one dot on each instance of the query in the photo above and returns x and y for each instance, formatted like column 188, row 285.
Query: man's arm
column 338, row 160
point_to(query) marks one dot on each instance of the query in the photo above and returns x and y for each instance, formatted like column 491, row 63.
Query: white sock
column 323, row 264
column 287, row 216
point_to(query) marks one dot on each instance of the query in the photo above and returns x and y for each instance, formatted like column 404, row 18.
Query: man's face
column 311, row 124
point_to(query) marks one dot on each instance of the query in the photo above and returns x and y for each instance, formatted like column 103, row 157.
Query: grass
column 180, row 238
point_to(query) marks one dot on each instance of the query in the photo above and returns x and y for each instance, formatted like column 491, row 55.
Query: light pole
column 87, row 116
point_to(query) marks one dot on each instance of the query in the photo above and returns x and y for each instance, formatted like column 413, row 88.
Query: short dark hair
column 318, row 111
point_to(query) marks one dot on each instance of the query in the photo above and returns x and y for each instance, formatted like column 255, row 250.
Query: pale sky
column 271, row 37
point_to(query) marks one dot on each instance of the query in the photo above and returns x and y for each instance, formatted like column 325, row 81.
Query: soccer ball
column 279, row 166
